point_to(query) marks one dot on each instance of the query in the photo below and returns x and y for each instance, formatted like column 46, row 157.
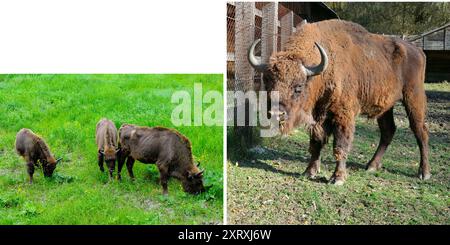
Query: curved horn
column 198, row 164
column 117, row 150
column 199, row 174
column 252, row 58
column 58, row 160
column 316, row 70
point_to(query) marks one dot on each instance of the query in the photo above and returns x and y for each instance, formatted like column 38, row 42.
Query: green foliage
column 396, row 18
column 64, row 110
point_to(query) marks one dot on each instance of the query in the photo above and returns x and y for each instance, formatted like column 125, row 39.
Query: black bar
column 152, row 234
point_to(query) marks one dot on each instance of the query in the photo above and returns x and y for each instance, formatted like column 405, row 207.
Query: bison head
column 287, row 74
column 110, row 155
column 193, row 181
column 49, row 168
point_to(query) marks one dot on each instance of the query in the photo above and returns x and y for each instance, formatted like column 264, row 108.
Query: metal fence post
column 244, row 74
column 287, row 24
column 269, row 30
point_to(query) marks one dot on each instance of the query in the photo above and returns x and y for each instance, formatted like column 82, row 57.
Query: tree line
column 395, row 18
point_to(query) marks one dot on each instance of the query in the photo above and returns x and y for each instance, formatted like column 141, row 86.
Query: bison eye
column 298, row 88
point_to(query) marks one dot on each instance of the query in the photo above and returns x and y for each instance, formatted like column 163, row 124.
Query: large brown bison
column 107, row 145
column 35, row 152
column 332, row 71
column 170, row 150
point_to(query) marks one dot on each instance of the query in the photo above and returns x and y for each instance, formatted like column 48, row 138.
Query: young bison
column 106, row 139
column 35, row 152
column 170, row 150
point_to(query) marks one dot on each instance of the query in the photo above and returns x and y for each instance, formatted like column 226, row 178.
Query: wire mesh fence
column 273, row 23
column 240, row 83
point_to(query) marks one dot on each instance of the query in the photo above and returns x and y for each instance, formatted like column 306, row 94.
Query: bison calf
column 35, row 152
column 106, row 139
column 170, row 150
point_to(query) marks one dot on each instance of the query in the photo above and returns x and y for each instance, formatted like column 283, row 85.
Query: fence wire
column 248, row 82
column 239, row 84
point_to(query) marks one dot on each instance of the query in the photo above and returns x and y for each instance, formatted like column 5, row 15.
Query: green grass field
column 64, row 110
column 266, row 187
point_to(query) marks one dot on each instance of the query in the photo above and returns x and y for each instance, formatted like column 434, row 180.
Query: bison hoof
column 337, row 182
column 337, row 179
column 310, row 174
column 424, row 176
column 373, row 167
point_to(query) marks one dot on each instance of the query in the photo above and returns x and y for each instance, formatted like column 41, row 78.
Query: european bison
column 107, row 146
column 35, row 152
column 332, row 71
column 170, row 150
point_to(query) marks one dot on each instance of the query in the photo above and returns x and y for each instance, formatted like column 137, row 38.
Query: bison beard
column 357, row 72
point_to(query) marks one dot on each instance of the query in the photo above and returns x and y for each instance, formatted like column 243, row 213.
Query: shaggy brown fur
column 107, row 146
column 367, row 74
column 35, row 152
column 170, row 150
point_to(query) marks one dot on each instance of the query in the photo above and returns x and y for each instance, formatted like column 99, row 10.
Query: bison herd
column 167, row 148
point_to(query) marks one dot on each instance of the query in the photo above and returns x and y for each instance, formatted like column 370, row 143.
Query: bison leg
column 387, row 129
column 121, row 157
column 100, row 162
column 317, row 140
column 415, row 105
column 343, row 137
column 164, row 177
column 130, row 163
column 30, row 171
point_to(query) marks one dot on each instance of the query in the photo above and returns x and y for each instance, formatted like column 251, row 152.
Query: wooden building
column 436, row 45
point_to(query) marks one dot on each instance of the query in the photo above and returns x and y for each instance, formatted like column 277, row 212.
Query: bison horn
column 199, row 174
column 198, row 164
column 314, row 71
column 117, row 150
column 58, row 160
column 257, row 65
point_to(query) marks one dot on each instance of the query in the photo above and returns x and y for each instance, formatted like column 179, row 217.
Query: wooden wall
column 438, row 65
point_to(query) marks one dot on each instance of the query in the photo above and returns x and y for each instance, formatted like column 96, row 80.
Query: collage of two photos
column 327, row 113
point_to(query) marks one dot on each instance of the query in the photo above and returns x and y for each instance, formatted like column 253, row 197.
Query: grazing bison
column 170, row 150
column 332, row 71
column 35, row 152
column 106, row 139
